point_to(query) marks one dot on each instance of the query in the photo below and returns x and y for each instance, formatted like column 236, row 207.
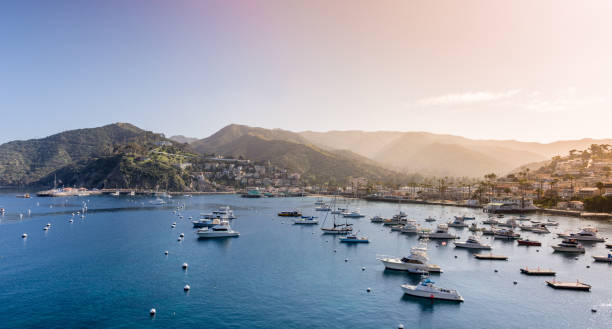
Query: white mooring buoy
column 185, row 265
column 186, row 287
column 152, row 312
column 24, row 235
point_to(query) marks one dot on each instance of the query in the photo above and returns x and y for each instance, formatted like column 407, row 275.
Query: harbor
column 158, row 261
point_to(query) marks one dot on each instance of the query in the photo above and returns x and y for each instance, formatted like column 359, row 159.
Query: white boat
column 510, row 222
column 540, row 229
column 220, row 231
column 377, row 219
column 224, row 212
column 116, row 193
column 206, row 220
column 323, row 207
column 472, row 243
column 507, row 234
column 491, row 221
column 306, row 220
column 417, row 260
column 607, row 259
column 569, row 245
column 427, row 289
column 339, row 211
column 587, row 234
column 441, row 232
column 551, row 222
column 464, row 217
column 411, row 227
column 474, row 228
column 158, row 201
column 353, row 214
column 319, row 202
column 397, row 227
column 457, row 222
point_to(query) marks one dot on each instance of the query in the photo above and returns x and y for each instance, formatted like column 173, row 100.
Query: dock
column 538, row 271
column 569, row 285
column 490, row 257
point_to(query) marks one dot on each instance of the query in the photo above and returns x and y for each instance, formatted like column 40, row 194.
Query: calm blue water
column 109, row 269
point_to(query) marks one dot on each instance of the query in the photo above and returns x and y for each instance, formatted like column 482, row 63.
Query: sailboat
column 336, row 228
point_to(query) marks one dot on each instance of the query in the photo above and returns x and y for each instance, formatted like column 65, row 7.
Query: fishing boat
column 507, row 234
column 377, row 219
column 569, row 245
column 417, row 260
column 472, row 243
column 353, row 238
column 441, row 232
column 607, row 259
column 306, row 220
column 427, row 289
column 294, row 213
column 537, row 271
column 527, row 242
column 222, row 230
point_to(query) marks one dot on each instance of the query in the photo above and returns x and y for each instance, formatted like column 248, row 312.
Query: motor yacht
column 607, row 259
column 353, row 214
column 306, row 220
column 206, row 220
column 222, row 230
column 490, row 221
column 323, row 207
column 430, row 219
column 457, row 222
column 319, row 202
column 472, row 243
column 417, row 260
column 427, row 289
column 510, row 222
column 569, row 245
column 587, row 234
column 441, row 232
column 411, row 227
column 474, row 228
column 507, row 234
column 353, row 238
column 158, row 201
column 540, row 229
column 377, row 219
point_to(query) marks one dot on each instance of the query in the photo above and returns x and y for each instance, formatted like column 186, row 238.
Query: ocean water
column 108, row 269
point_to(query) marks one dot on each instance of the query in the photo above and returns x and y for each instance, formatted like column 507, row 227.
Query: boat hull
column 397, row 265
column 570, row 250
column 413, row 291
column 209, row 235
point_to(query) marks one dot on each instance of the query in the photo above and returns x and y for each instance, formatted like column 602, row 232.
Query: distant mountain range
column 406, row 152
column 109, row 155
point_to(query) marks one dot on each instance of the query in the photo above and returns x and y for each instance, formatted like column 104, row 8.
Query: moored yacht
column 377, row 219
column 430, row 219
column 472, row 243
column 323, row 207
column 353, row 214
column 441, row 232
column 411, row 227
column 427, row 289
column 569, row 245
column 306, row 220
column 206, row 220
column 353, row 238
column 219, row 231
column 416, row 261
column 457, row 222
column 587, row 234
column 507, row 234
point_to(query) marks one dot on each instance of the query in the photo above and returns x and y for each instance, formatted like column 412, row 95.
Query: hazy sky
column 528, row 70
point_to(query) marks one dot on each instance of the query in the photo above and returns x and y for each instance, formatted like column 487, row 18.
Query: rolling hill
column 292, row 151
column 26, row 162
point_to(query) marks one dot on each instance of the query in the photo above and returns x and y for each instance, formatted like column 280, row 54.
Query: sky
column 524, row 70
